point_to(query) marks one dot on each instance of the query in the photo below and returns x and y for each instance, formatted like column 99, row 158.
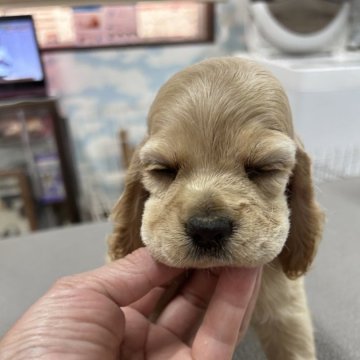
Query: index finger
column 128, row 279
column 218, row 333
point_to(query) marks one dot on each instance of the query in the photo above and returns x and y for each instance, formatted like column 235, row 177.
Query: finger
column 217, row 335
column 145, row 339
column 135, row 335
column 250, row 309
column 126, row 280
column 186, row 310
column 158, row 298
column 147, row 303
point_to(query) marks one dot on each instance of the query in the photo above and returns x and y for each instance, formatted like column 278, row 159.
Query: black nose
column 209, row 232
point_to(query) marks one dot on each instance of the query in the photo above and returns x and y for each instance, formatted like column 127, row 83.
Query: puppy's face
column 216, row 165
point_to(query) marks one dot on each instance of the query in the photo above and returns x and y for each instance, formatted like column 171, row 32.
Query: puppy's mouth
column 208, row 237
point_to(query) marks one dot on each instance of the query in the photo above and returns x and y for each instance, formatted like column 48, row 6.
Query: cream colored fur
column 281, row 318
column 220, row 142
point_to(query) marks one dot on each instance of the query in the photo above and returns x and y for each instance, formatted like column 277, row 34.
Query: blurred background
column 77, row 80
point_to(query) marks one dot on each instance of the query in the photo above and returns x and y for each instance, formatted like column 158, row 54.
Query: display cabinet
column 35, row 142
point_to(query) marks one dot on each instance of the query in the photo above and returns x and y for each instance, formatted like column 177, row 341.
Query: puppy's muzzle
column 209, row 233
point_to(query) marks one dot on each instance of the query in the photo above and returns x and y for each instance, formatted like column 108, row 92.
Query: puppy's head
column 220, row 178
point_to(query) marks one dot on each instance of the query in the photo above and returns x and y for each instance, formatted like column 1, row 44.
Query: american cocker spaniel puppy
column 222, row 180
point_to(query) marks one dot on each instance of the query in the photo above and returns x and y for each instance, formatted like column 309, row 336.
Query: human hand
column 102, row 314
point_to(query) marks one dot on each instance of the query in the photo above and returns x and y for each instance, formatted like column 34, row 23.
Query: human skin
column 103, row 314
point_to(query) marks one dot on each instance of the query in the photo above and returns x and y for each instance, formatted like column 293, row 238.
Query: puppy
column 222, row 180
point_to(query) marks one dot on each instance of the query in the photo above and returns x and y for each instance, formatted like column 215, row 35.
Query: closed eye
column 163, row 171
column 255, row 172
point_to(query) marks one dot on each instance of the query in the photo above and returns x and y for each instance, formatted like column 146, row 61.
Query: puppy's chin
column 234, row 256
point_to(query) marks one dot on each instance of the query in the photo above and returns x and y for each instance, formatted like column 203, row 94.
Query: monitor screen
column 20, row 61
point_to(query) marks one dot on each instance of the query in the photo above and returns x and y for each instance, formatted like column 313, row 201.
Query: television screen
column 21, row 70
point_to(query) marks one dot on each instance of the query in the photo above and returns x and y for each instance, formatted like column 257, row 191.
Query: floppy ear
column 306, row 219
column 127, row 214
